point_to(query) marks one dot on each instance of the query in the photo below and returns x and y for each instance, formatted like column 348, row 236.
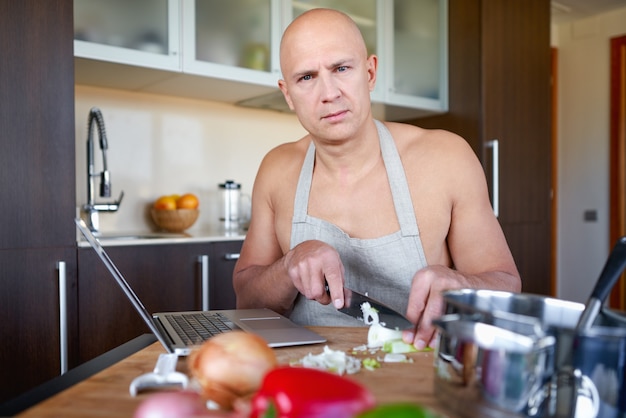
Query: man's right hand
column 311, row 265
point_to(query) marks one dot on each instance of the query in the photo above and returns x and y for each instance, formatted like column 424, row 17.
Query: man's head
column 327, row 75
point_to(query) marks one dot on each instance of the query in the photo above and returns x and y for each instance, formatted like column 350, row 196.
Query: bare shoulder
column 435, row 149
column 286, row 154
column 282, row 163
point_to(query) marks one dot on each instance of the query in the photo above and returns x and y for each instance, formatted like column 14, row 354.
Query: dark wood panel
column 499, row 87
column 164, row 277
column 531, row 251
column 517, row 104
column 222, row 294
column 29, row 299
column 37, row 174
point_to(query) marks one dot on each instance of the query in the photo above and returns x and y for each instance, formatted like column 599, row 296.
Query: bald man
column 388, row 209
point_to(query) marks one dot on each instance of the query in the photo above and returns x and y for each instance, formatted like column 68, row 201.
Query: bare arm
column 267, row 273
column 480, row 256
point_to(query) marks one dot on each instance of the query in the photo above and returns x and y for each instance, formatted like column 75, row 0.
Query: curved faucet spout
column 91, row 207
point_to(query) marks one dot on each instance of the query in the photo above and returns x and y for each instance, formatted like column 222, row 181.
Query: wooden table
column 106, row 393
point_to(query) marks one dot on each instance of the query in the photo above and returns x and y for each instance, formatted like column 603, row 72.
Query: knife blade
column 387, row 316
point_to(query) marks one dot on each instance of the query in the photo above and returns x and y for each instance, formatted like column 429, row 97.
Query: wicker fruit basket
column 176, row 220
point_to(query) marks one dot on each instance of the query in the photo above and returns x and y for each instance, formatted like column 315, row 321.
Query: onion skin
column 231, row 365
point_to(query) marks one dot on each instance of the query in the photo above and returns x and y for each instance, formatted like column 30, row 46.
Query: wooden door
column 37, row 168
column 499, row 86
column 517, row 111
column 30, row 304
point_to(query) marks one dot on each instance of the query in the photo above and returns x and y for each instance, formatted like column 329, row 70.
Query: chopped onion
column 378, row 335
column 398, row 346
column 371, row 363
column 394, row 358
column 335, row 361
column 370, row 315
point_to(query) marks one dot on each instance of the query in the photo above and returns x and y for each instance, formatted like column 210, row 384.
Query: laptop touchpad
column 266, row 323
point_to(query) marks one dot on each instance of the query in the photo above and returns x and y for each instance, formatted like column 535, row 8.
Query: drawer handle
column 204, row 277
column 231, row 256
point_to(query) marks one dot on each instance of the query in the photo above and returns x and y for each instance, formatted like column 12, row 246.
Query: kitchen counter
column 125, row 238
column 107, row 392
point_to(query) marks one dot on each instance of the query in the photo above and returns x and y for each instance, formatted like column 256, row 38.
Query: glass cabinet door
column 141, row 32
column 363, row 12
column 232, row 40
column 234, row 33
column 419, row 45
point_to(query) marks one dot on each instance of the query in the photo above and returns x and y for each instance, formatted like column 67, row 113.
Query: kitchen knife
column 387, row 317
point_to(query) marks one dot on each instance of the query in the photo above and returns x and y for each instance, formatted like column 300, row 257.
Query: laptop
column 181, row 332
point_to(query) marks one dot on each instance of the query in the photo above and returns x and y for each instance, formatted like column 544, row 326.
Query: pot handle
column 570, row 394
column 608, row 277
column 489, row 337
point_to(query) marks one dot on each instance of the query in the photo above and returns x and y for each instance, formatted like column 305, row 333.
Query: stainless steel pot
column 560, row 379
column 573, row 383
column 489, row 362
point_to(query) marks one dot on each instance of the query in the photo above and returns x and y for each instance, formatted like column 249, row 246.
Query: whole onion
column 175, row 404
column 231, row 366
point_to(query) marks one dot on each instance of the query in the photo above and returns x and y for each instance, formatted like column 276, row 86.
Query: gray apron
column 381, row 267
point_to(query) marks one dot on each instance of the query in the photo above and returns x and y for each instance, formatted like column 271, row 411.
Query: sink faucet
column 91, row 207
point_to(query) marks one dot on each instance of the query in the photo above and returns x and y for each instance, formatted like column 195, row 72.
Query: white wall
column 583, row 149
column 165, row 145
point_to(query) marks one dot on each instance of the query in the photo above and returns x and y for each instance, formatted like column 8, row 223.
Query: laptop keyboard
column 197, row 327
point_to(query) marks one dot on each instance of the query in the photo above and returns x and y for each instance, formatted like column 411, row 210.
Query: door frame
column 554, row 58
column 617, row 156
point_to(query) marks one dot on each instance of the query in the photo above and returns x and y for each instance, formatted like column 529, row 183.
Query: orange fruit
column 165, row 203
column 187, row 201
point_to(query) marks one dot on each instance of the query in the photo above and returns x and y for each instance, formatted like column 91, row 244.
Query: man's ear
column 372, row 71
column 283, row 87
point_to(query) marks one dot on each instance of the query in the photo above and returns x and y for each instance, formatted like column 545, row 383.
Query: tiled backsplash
column 165, row 145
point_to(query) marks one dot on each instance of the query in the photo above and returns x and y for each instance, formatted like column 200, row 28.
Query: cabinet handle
column 63, row 314
column 204, row 277
column 495, row 176
column 231, row 256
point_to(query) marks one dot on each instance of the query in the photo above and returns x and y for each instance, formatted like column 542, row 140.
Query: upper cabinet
column 231, row 40
column 229, row 51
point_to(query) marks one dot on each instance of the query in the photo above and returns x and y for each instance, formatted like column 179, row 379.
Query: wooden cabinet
column 499, row 88
column 38, row 299
column 37, row 191
column 169, row 277
column 224, row 255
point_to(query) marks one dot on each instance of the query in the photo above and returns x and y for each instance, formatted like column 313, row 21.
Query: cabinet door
column 415, row 57
column 37, row 172
column 139, row 32
column 499, row 89
column 164, row 277
column 224, row 255
column 31, row 299
column 516, row 103
column 234, row 40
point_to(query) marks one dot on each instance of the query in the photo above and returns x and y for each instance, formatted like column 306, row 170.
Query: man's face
column 328, row 78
